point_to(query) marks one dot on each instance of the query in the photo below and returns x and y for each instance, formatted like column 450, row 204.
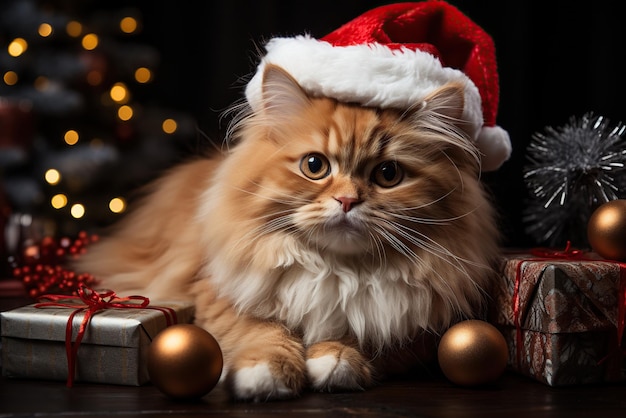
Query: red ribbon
column 545, row 254
column 93, row 302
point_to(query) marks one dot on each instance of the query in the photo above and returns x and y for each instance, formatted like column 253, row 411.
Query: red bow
column 93, row 302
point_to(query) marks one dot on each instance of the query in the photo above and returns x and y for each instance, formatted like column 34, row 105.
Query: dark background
column 557, row 59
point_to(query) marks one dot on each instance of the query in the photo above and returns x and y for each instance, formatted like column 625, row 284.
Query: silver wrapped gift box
column 113, row 349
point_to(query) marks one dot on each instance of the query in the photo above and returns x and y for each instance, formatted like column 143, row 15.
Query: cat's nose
column 347, row 203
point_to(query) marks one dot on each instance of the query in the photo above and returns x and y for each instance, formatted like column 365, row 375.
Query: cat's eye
column 387, row 174
column 315, row 166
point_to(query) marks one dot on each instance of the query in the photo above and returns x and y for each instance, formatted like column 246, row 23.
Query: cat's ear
column 282, row 95
column 447, row 101
column 442, row 114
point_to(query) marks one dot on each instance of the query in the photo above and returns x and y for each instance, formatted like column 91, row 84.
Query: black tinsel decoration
column 572, row 170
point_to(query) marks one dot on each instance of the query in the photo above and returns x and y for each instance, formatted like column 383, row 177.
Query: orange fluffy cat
column 324, row 247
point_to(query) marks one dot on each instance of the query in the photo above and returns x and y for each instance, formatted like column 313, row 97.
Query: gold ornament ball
column 606, row 230
column 472, row 353
column 184, row 361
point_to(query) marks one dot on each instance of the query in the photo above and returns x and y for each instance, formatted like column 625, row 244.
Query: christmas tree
column 80, row 128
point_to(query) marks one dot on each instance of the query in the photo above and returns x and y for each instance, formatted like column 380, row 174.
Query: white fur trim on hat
column 375, row 75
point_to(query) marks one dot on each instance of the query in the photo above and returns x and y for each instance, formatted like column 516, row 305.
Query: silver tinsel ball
column 572, row 170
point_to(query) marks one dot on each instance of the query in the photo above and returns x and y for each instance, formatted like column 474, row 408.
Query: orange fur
column 323, row 247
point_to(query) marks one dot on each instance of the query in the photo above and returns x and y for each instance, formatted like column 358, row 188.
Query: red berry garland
column 42, row 266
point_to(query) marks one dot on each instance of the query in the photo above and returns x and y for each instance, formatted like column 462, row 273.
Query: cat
column 328, row 245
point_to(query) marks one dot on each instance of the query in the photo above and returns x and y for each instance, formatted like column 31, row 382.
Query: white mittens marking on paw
column 320, row 369
column 328, row 373
column 259, row 384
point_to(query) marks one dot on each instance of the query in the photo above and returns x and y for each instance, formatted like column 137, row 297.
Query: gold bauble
column 606, row 230
column 184, row 361
column 472, row 352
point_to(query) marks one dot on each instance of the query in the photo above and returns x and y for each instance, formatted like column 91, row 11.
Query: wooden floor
column 512, row 396
column 432, row 396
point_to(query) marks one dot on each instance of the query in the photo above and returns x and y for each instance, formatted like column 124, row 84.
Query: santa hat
column 393, row 56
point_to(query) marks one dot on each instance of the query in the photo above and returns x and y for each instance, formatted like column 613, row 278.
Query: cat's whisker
column 291, row 201
column 239, row 113
column 424, row 241
column 434, row 245
column 281, row 223
column 396, row 243
column 427, row 204
column 378, row 248
column 448, row 132
column 279, row 192
column 428, row 244
column 271, row 215
column 425, row 221
column 459, row 263
column 456, row 168
column 430, row 221
column 438, row 251
column 406, row 251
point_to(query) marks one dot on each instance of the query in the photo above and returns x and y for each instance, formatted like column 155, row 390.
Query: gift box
column 560, row 317
column 113, row 347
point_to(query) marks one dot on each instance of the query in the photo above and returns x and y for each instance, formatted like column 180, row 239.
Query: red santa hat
column 393, row 56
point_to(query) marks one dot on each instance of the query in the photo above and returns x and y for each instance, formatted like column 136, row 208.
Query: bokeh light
column 17, row 47
column 128, row 24
column 77, row 210
column 119, row 93
column 169, row 126
column 52, row 176
column 117, row 205
column 90, row 41
column 58, row 201
column 143, row 75
column 71, row 137
column 125, row 113
column 10, row 78
column 45, row 30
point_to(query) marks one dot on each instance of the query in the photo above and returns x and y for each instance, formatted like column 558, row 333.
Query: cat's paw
column 334, row 366
column 268, row 379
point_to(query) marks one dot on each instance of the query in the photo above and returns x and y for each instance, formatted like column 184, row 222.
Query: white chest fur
column 325, row 298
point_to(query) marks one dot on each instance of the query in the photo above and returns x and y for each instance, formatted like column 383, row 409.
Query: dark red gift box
column 561, row 318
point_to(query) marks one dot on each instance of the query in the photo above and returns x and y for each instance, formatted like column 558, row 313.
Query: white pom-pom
column 495, row 145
